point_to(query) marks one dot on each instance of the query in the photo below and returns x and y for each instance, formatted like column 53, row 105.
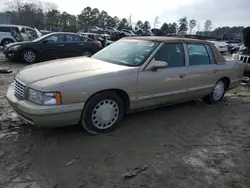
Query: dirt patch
column 187, row 145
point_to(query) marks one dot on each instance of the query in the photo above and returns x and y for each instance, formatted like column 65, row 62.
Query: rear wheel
column 102, row 113
column 218, row 92
column 29, row 56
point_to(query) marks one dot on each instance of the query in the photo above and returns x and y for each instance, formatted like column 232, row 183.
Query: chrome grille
column 19, row 89
column 245, row 58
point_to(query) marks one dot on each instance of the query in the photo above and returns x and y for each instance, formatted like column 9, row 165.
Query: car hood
column 51, row 73
column 18, row 43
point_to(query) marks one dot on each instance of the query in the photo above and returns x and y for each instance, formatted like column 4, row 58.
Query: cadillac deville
column 131, row 74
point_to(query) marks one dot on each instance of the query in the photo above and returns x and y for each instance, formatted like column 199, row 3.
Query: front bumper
column 45, row 116
column 10, row 54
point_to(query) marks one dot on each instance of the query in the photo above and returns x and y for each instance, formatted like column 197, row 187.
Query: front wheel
column 102, row 113
column 218, row 92
column 29, row 56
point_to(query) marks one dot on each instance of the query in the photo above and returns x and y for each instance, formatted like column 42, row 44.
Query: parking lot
column 186, row 145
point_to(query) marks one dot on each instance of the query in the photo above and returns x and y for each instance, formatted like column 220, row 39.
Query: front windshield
column 127, row 52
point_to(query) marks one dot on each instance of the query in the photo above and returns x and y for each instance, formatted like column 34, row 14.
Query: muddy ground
column 187, row 145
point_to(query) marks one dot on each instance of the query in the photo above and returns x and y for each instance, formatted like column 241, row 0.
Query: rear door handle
column 182, row 75
column 60, row 45
column 215, row 70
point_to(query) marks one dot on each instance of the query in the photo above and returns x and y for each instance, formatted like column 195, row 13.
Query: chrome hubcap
column 218, row 90
column 29, row 56
column 86, row 54
column 105, row 114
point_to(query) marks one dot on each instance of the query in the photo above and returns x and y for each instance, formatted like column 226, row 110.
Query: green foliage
column 46, row 16
column 192, row 24
column 208, row 25
column 165, row 27
column 183, row 24
column 146, row 25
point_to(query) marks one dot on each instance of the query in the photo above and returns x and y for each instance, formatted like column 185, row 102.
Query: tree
column 103, row 17
column 165, row 27
column 123, row 24
column 139, row 25
column 192, row 24
column 53, row 18
column 156, row 21
column 94, row 17
column 84, row 19
column 183, row 24
column 24, row 13
column 111, row 22
column 208, row 25
column 64, row 19
column 117, row 20
column 172, row 27
column 146, row 25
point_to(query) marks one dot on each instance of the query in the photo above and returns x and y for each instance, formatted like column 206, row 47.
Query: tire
column 102, row 104
column 218, row 92
column 6, row 42
column 29, row 56
column 86, row 53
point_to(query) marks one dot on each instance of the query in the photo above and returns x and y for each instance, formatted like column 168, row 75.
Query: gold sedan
column 131, row 74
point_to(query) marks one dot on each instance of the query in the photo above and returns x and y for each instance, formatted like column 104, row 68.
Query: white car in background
column 17, row 33
column 221, row 46
column 29, row 33
column 128, row 33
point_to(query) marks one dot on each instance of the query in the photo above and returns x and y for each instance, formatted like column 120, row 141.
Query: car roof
column 11, row 25
column 167, row 39
column 218, row 56
column 90, row 34
column 64, row 33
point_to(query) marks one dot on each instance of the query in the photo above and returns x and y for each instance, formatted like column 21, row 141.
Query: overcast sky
column 221, row 12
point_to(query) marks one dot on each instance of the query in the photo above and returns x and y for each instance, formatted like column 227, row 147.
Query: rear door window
column 85, row 39
column 211, row 55
column 73, row 38
column 198, row 55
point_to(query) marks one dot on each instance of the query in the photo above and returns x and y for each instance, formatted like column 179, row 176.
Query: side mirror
column 155, row 65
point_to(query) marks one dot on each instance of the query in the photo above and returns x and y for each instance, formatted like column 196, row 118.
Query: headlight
column 16, row 47
column 48, row 98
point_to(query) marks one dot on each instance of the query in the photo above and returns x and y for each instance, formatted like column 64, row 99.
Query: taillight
column 99, row 44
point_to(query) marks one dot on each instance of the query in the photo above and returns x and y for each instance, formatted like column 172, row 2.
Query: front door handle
column 60, row 45
column 81, row 44
column 182, row 75
column 215, row 70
